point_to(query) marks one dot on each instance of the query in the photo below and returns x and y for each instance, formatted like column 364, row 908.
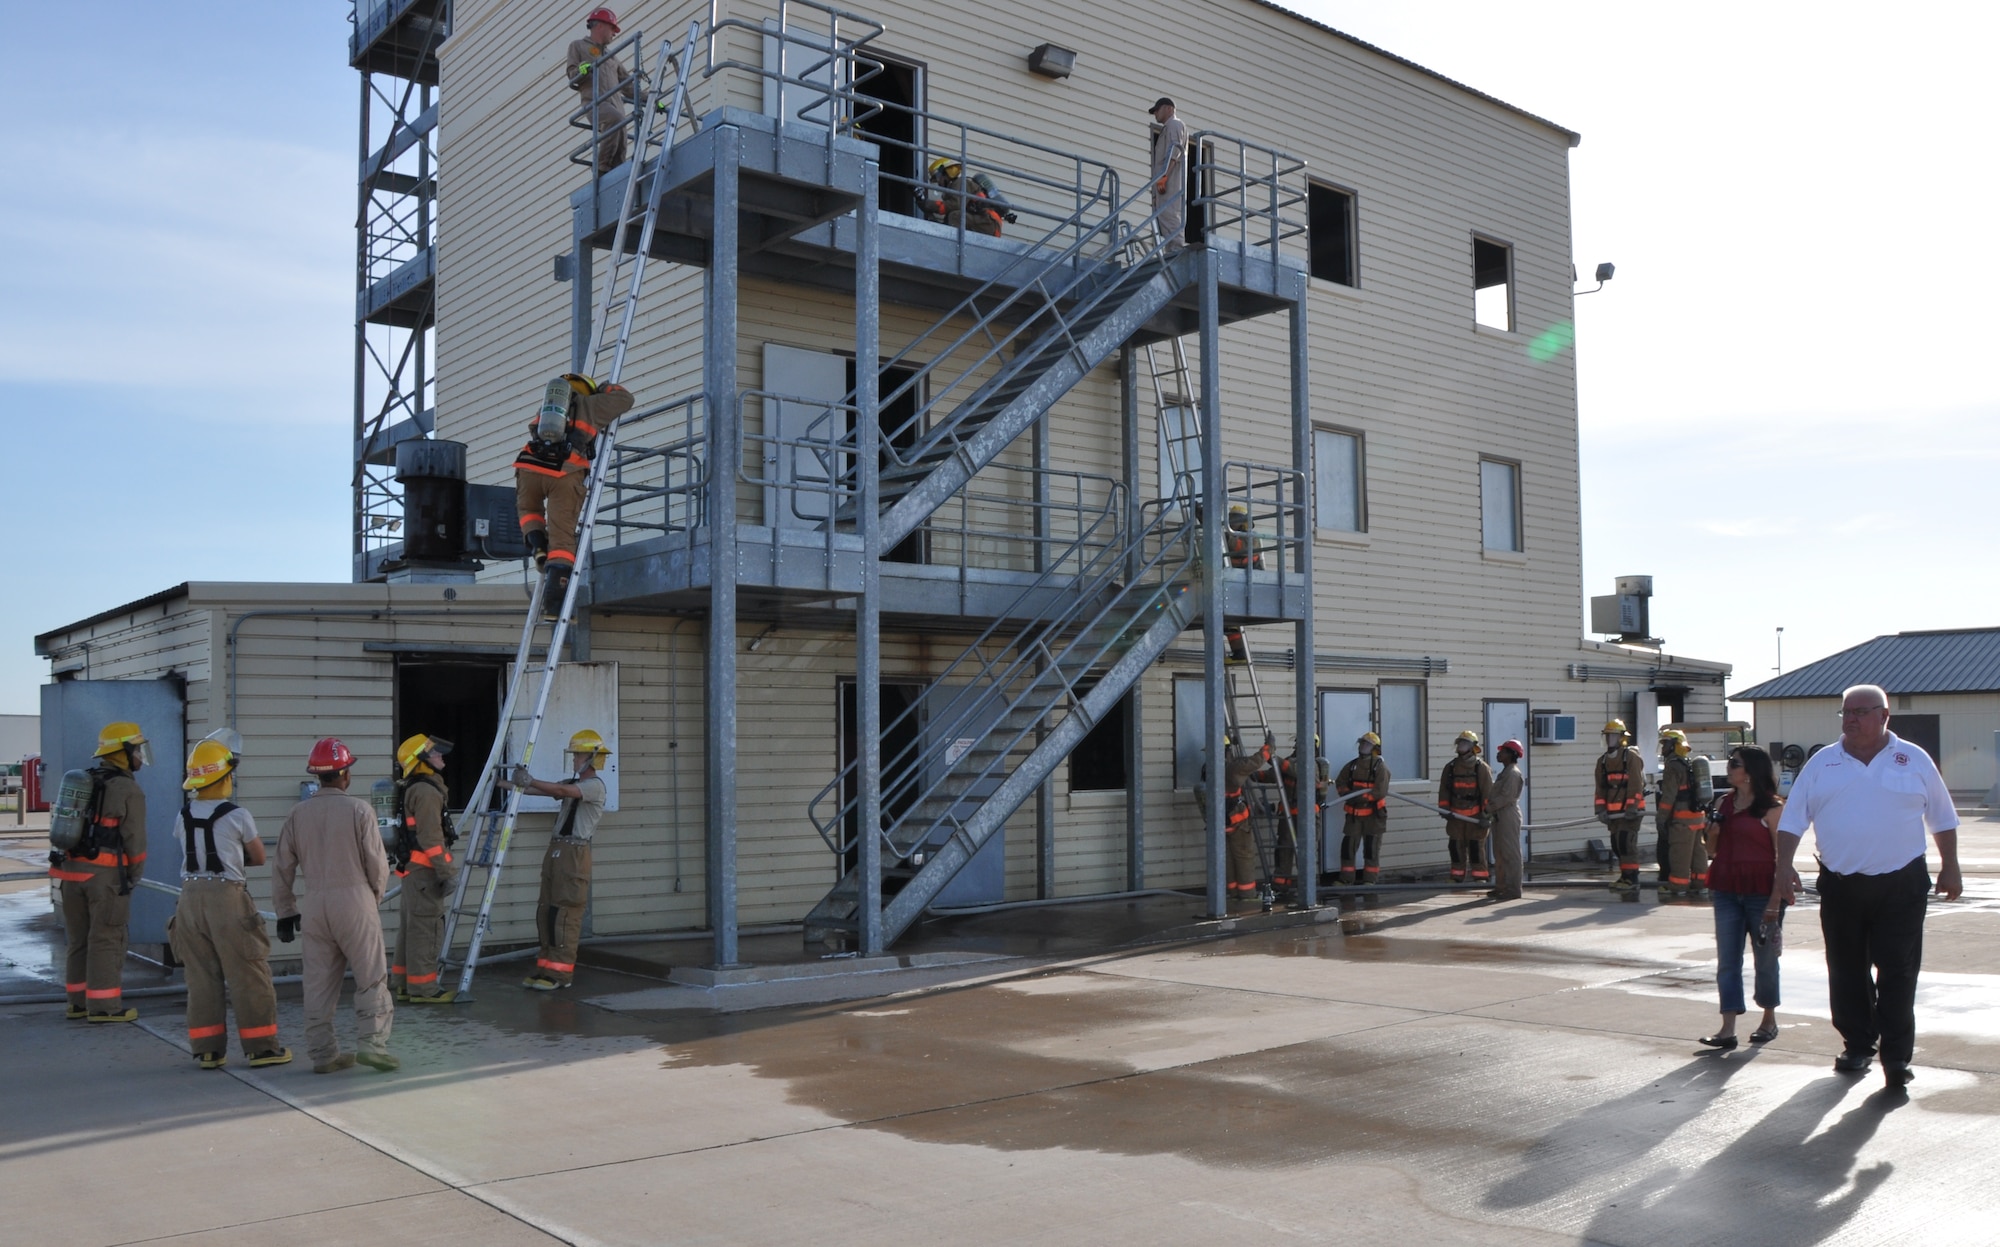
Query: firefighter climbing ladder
column 1270, row 814
column 493, row 830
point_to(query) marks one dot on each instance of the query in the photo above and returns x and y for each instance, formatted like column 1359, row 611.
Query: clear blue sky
column 1790, row 414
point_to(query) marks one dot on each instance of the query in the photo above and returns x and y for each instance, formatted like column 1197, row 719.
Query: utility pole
column 1780, row 668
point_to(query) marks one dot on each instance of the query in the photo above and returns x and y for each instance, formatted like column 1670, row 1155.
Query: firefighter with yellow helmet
column 96, row 873
column 1240, row 545
column 1621, row 802
column 1363, row 786
column 552, row 473
column 424, row 837
column 566, row 863
column 216, row 932
column 1680, row 816
column 972, row 198
column 1465, row 793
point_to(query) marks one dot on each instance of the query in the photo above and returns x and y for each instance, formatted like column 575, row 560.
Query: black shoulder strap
column 207, row 828
column 566, row 825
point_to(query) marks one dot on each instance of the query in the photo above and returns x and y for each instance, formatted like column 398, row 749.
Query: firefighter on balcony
column 97, row 872
column 957, row 196
column 552, row 473
column 333, row 840
column 566, row 863
column 1680, row 814
column 1363, row 786
column 424, row 837
column 216, row 932
column 594, row 73
column 1621, row 802
column 1239, row 544
column 1465, row 790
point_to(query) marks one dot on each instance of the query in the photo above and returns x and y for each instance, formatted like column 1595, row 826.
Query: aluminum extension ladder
column 1271, row 823
column 493, row 828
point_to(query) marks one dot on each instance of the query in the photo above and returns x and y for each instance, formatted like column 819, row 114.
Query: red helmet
column 603, row 15
column 329, row 756
column 1515, row 745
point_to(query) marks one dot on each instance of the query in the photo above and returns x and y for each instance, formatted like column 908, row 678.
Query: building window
column 1337, row 481
column 1330, row 234
column 1492, row 284
column 1344, row 714
column 1402, row 730
column 1190, row 728
column 1097, row 764
column 1500, row 504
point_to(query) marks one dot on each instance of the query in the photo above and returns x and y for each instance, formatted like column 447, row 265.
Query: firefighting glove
column 520, row 776
column 288, row 929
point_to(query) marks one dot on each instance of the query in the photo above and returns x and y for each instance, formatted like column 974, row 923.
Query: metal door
column 73, row 712
column 983, row 880
column 1508, row 720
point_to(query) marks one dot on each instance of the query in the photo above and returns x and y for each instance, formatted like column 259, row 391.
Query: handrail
column 1241, row 184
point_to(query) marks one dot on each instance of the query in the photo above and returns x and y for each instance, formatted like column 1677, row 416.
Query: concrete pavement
column 1436, row 1070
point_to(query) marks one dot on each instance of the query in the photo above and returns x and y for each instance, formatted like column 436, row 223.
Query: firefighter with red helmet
column 595, row 74
column 1505, row 802
column 333, row 840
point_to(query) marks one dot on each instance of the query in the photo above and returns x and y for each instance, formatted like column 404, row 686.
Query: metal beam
column 725, row 449
column 868, row 616
column 1215, row 717
column 1307, row 769
column 1135, row 717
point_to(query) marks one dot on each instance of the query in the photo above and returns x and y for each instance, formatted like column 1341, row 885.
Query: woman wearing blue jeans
column 1739, row 876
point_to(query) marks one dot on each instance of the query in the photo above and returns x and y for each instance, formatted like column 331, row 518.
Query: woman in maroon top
column 1739, row 876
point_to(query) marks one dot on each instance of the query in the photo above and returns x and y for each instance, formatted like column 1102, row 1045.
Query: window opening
column 1337, row 481
column 1493, row 284
column 1500, row 504
column 1330, row 234
column 1097, row 764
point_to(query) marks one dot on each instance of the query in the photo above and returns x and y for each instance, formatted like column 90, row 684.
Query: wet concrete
column 1427, row 1069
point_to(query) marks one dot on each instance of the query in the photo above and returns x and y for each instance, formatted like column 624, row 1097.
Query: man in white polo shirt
column 1869, row 798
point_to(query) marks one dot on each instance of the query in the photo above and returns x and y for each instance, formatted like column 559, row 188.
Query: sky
column 1789, row 406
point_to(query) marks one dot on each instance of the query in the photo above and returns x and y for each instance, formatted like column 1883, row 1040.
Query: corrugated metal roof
column 1963, row 661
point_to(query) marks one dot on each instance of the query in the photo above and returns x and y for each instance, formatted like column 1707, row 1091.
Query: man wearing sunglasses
column 1869, row 798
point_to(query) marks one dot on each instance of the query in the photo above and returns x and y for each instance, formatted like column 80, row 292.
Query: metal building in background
column 394, row 44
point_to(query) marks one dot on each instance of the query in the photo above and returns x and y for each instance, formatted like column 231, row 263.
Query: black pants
column 1875, row 921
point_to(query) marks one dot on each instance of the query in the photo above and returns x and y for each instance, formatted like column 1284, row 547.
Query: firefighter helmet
column 1674, row 738
column 125, row 738
column 410, row 754
column 329, row 756
column 1514, row 746
column 1469, row 734
column 591, row 743
column 1370, row 739
column 1239, row 515
column 580, row 383
column 941, row 165
column 209, row 762
column 603, row 15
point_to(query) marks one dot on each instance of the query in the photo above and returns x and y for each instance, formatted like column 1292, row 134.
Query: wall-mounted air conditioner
column 1555, row 729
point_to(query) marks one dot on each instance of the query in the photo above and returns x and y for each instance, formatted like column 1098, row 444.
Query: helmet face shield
column 139, row 752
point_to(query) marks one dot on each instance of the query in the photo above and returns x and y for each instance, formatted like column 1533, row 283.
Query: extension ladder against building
column 493, row 828
column 1271, row 821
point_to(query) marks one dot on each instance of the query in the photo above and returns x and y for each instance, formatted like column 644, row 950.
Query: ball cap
column 1162, row 102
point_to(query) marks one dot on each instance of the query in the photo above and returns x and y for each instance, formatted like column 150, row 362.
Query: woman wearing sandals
column 1740, row 877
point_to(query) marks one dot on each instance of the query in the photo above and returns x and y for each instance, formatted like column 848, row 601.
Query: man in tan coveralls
column 1170, row 145
column 427, row 875
column 566, row 863
column 217, row 933
column 97, row 886
column 588, row 63
column 1505, row 802
column 332, row 837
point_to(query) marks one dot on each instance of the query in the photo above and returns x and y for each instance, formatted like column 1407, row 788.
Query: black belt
column 1915, row 863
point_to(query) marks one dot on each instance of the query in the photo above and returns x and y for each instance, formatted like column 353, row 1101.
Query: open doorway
column 899, row 741
column 898, row 419
column 895, row 128
column 458, row 699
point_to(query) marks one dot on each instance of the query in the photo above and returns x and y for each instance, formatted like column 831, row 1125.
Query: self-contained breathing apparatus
column 554, row 434
column 76, row 829
column 399, row 832
column 206, row 826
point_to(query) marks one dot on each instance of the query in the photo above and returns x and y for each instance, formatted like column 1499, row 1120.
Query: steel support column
column 1307, row 770
column 1045, row 817
column 725, row 450
column 1213, row 509
column 582, row 287
column 868, row 513
column 1135, row 754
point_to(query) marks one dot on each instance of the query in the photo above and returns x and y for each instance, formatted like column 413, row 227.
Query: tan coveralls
column 550, row 496
column 1506, row 807
column 332, row 838
column 566, row 881
column 426, row 885
column 219, row 938
column 1621, row 803
column 1680, row 820
column 1466, row 787
column 587, row 64
column 96, row 906
column 1170, row 144
column 1365, row 819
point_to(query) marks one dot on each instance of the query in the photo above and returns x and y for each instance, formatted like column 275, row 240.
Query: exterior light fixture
column 1604, row 272
column 1050, row 61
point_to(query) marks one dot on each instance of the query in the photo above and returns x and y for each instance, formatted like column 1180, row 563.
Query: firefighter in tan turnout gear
column 97, row 874
column 566, row 862
column 423, row 858
column 332, row 839
column 1681, row 817
column 1466, row 789
column 1621, row 802
column 1363, row 785
column 217, row 934
column 552, row 473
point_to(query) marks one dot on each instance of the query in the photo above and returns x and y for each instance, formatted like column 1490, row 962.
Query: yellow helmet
column 209, row 762
column 1676, row 739
column 123, row 738
column 580, row 383
column 942, row 163
column 1615, row 727
column 1369, row 738
column 591, row 743
column 410, row 754
column 1469, row 734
